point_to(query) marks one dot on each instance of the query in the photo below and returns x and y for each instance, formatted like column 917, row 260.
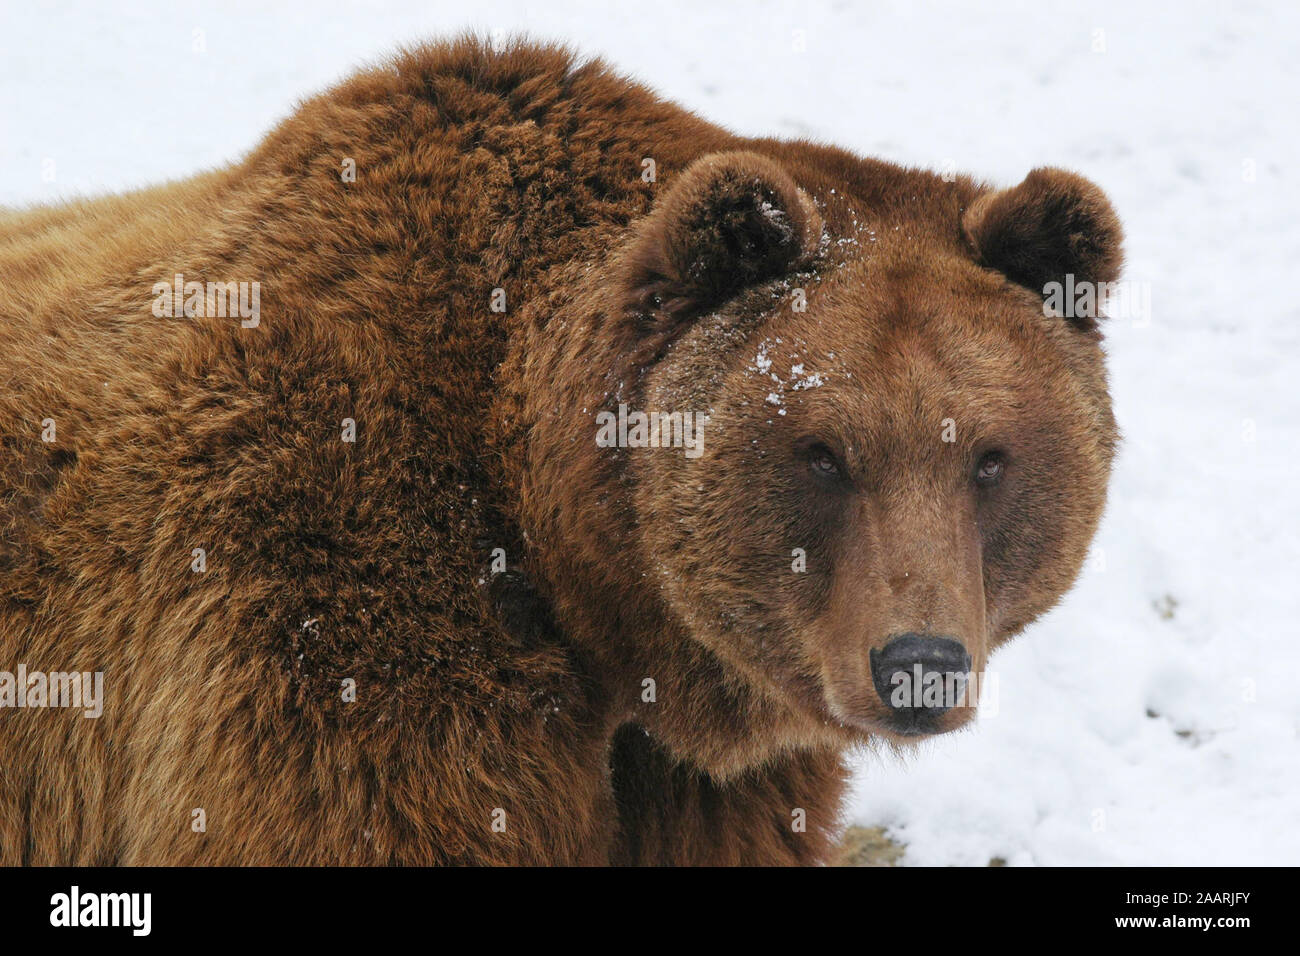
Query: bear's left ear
column 731, row 220
column 1053, row 224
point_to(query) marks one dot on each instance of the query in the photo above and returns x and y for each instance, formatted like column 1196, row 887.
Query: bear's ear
column 730, row 220
column 1053, row 224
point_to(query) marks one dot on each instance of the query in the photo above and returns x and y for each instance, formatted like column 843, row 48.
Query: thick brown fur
column 649, row 680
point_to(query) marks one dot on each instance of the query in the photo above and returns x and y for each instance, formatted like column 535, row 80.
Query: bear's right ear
column 730, row 221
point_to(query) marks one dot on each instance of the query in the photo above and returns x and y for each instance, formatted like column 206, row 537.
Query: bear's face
column 901, row 459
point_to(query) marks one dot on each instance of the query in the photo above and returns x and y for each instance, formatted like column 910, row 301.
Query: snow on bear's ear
column 1053, row 224
column 730, row 220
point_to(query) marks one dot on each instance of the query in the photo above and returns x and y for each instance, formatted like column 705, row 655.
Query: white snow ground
column 1129, row 728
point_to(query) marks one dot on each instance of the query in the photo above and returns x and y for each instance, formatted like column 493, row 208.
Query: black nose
column 919, row 677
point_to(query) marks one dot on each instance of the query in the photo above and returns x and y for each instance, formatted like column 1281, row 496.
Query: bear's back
column 275, row 538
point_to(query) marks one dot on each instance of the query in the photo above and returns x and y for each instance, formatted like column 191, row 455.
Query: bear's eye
column 818, row 457
column 991, row 466
column 822, row 461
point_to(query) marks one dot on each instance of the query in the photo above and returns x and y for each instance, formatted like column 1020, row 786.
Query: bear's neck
column 583, row 554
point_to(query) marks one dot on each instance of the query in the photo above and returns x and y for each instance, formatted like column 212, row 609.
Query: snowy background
column 1152, row 719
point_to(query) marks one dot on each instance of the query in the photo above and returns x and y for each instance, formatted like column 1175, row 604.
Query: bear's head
column 894, row 457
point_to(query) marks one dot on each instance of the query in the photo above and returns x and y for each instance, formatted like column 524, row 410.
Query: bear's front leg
column 785, row 813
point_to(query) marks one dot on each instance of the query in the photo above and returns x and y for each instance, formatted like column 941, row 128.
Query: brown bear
column 501, row 465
